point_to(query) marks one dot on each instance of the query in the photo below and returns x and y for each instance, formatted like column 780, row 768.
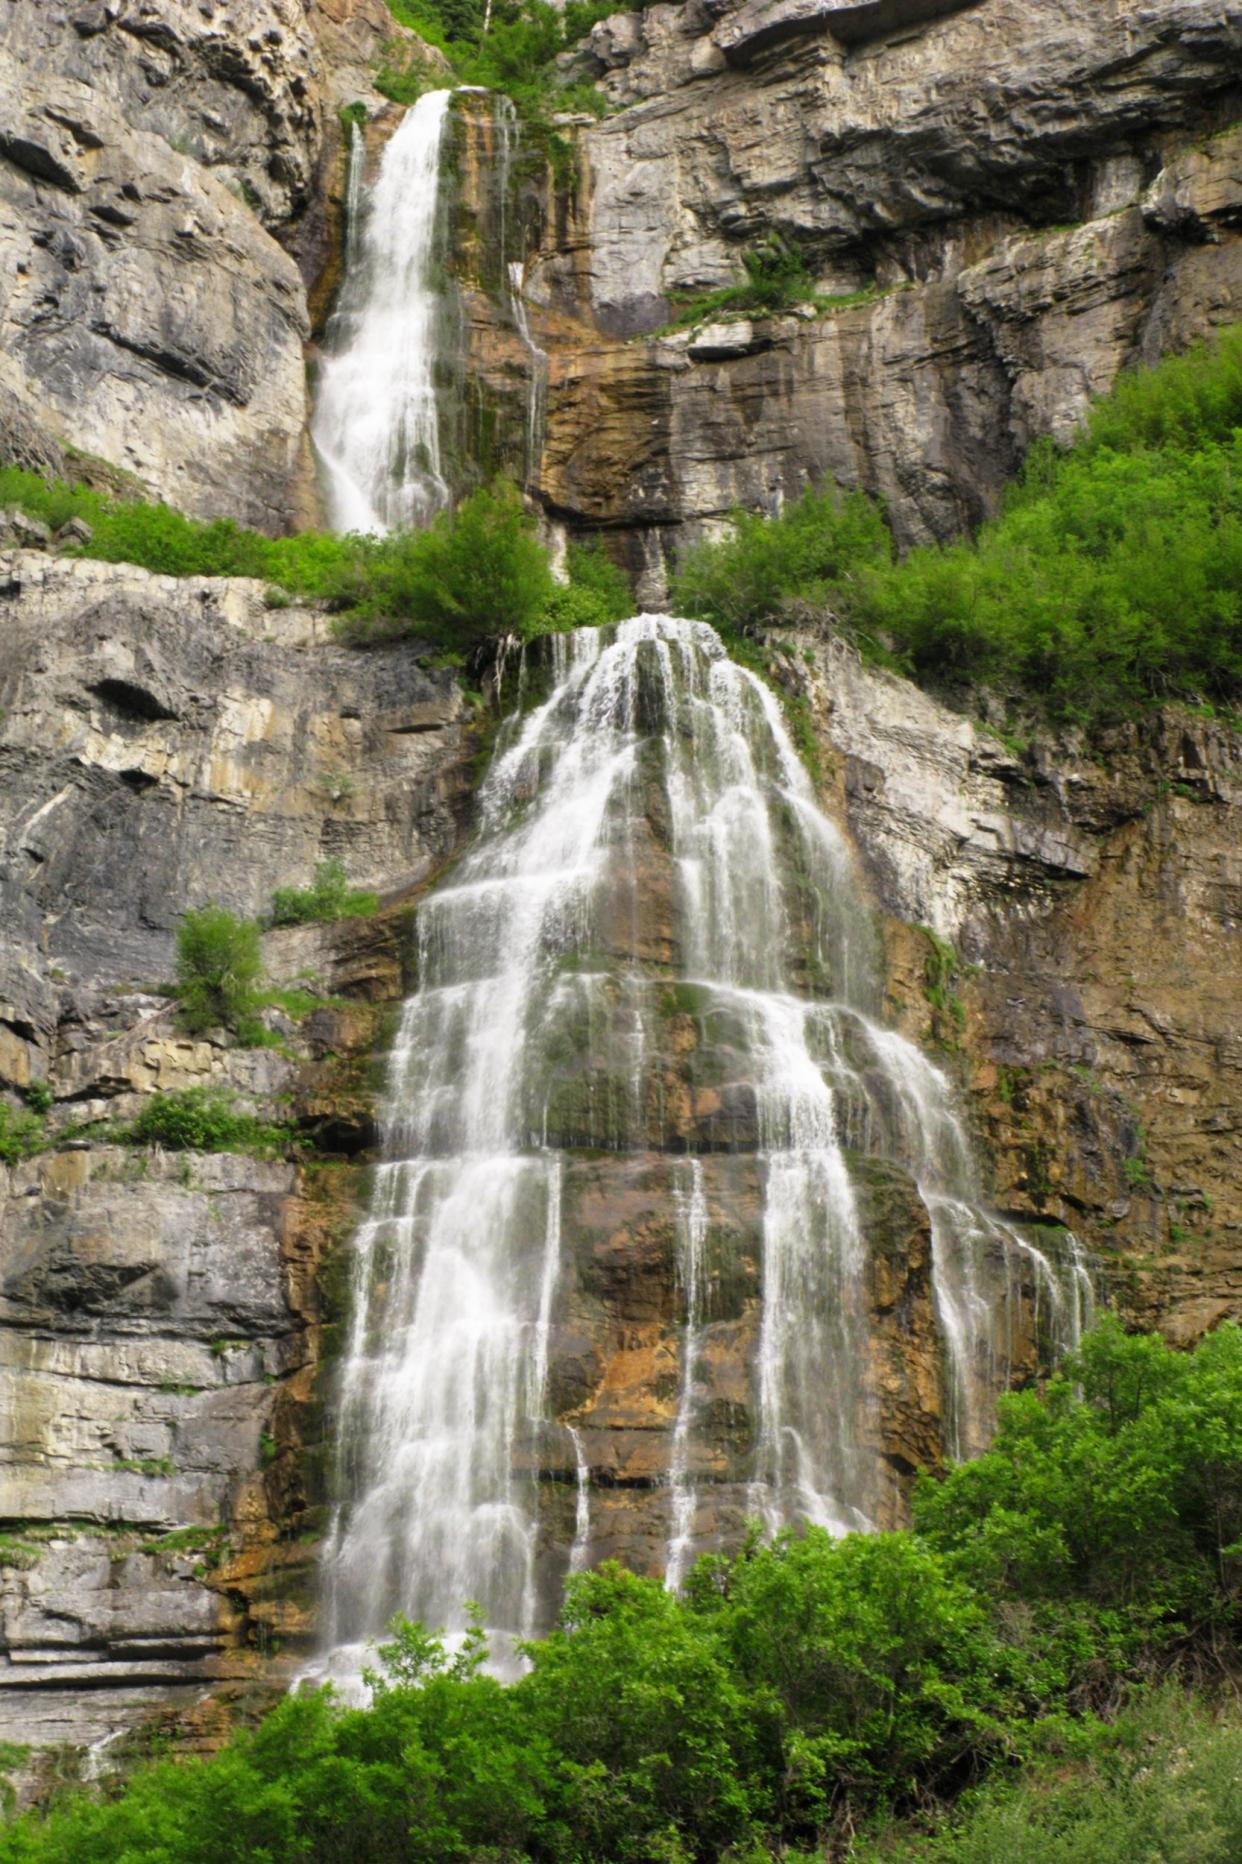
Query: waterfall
column 375, row 426
column 537, row 384
column 649, row 856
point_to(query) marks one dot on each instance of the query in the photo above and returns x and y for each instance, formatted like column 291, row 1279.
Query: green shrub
column 21, row 1134
column 219, row 962
column 1112, row 577
column 1111, row 1506
column 476, row 572
column 813, row 549
column 203, row 1119
column 941, row 1691
column 778, row 276
column 597, row 593
column 330, row 896
column 1164, row 1783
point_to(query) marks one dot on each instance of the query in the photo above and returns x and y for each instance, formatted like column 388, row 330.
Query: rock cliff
column 153, row 158
column 163, row 743
column 1001, row 207
column 1002, row 204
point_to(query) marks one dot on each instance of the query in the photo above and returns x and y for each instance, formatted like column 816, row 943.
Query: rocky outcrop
column 926, row 177
column 152, row 160
column 146, row 310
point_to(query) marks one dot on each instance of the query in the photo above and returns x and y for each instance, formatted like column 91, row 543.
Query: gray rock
column 75, row 532
column 19, row 531
column 918, row 175
column 757, row 24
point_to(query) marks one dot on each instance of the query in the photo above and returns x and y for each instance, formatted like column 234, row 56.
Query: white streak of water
column 375, row 425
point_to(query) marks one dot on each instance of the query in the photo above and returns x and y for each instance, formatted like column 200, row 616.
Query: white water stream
column 375, row 425
column 538, row 950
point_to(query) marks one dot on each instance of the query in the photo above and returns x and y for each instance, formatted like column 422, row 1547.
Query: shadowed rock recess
column 1018, row 955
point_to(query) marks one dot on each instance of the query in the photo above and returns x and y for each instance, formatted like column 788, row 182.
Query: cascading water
column 375, row 425
column 648, row 842
column 537, row 385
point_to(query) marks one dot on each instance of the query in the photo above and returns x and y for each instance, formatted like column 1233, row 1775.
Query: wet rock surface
column 1095, row 905
column 163, row 744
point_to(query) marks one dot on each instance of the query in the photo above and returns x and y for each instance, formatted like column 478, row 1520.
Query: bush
column 778, row 277
column 597, row 592
column 806, row 1690
column 203, row 1119
column 1111, row 1507
column 1111, row 579
column 813, row 550
column 1164, row 1783
column 476, row 572
column 219, row 962
column 329, row 897
column 21, row 1134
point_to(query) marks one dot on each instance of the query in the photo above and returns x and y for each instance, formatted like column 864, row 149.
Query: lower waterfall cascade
column 649, row 859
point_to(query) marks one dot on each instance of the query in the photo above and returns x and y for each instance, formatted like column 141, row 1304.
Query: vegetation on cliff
column 475, row 573
column 998, row 1677
column 511, row 46
column 1111, row 578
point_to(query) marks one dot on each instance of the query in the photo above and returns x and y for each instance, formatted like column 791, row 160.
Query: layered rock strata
column 163, row 744
column 926, row 177
column 1093, row 900
column 152, row 161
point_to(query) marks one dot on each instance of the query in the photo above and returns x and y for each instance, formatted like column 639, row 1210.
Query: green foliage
column 21, row 1134
column 813, row 549
column 941, row 970
column 778, row 276
column 597, row 592
column 516, row 53
column 1111, row 578
column 1111, row 1507
column 204, row 1119
column 951, row 1678
column 37, row 1096
column 330, row 896
column 1185, row 404
column 477, row 572
column 352, row 116
column 1164, row 1782
column 218, row 966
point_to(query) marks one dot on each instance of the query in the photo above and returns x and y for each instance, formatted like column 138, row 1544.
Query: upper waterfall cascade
column 648, row 840
column 375, row 424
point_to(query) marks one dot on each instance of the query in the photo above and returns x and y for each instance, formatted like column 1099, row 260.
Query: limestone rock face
column 164, row 743
column 1001, row 206
column 1097, row 1042
column 146, row 311
column 152, row 157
